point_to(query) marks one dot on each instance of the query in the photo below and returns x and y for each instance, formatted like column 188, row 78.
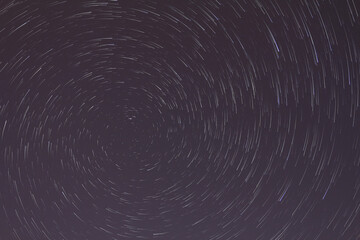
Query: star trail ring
column 180, row 119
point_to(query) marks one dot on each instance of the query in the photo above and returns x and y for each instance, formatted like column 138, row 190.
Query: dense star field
column 204, row 120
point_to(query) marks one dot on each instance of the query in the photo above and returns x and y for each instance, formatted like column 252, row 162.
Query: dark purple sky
column 204, row 120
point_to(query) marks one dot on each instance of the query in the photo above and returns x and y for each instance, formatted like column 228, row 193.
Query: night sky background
column 204, row 120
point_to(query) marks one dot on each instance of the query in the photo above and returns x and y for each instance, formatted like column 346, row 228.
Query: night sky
column 177, row 119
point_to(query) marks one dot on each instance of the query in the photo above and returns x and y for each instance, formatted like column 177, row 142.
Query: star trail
column 179, row 119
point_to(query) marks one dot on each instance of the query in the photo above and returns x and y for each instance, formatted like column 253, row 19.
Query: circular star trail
column 179, row 120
